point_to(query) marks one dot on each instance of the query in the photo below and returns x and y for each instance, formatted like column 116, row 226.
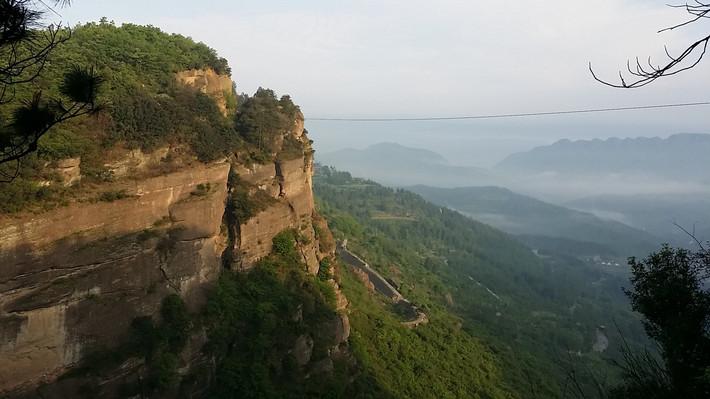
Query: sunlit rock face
column 289, row 184
column 72, row 279
column 219, row 87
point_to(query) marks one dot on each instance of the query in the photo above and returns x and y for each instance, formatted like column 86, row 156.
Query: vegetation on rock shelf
column 255, row 318
column 145, row 108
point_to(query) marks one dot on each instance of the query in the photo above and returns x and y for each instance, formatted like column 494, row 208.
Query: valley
column 448, row 202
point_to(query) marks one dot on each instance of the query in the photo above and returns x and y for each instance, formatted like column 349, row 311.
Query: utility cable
column 518, row 115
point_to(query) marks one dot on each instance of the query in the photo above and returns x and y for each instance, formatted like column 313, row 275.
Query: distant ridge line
column 517, row 115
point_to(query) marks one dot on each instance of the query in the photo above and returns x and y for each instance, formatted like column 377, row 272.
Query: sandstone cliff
column 72, row 279
column 217, row 86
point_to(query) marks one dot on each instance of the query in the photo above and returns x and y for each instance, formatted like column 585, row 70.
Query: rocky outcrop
column 289, row 184
column 68, row 171
column 73, row 279
column 219, row 87
column 136, row 162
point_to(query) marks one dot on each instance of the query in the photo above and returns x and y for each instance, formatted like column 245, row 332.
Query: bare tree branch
column 691, row 235
column 688, row 59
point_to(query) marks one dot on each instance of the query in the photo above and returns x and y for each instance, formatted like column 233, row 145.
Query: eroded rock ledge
column 72, row 279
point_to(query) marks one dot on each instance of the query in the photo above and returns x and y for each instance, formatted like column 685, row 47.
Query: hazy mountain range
column 396, row 165
column 660, row 215
column 647, row 184
column 542, row 224
column 681, row 156
column 572, row 169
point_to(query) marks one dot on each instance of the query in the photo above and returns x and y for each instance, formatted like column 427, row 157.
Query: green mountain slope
column 543, row 225
column 537, row 317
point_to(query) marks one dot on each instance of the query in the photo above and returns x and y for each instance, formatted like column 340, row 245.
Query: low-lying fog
column 651, row 181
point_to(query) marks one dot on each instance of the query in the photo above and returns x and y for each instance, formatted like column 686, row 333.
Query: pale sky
column 440, row 58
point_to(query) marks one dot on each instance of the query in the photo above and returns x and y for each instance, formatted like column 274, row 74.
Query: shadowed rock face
column 73, row 279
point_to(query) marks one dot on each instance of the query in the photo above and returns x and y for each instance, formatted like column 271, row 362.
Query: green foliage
column 176, row 322
column 62, row 144
column 669, row 288
column 437, row 360
column 26, row 114
column 245, row 201
column 16, row 195
column 325, row 270
column 253, row 321
column 146, row 120
column 160, row 344
column 284, row 244
column 292, row 148
column 531, row 312
column 263, row 117
column 144, row 106
column 81, row 85
column 162, row 372
column 110, row 196
column 543, row 225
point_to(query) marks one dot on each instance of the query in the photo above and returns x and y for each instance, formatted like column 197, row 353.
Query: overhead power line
column 518, row 115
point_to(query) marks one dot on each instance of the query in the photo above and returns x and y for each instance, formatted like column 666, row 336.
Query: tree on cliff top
column 25, row 47
column 263, row 117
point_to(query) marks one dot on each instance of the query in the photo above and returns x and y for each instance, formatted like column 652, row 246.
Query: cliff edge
column 73, row 279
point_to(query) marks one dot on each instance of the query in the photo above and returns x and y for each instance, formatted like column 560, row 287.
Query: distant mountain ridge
column 540, row 223
column 390, row 149
column 680, row 156
column 397, row 165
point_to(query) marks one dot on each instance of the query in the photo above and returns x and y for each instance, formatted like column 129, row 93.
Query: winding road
column 381, row 284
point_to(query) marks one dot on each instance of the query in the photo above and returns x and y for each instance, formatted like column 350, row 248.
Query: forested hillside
column 144, row 107
column 537, row 319
column 543, row 225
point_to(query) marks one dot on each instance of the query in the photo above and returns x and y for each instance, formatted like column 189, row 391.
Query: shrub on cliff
column 245, row 200
column 160, row 344
column 262, row 118
column 254, row 320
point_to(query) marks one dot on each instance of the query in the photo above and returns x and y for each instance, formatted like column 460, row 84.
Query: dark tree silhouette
column 25, row 47
column 670, row 289
column 642, row 73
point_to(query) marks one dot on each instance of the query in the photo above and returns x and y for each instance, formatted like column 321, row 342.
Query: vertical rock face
column 217, row 86
column 288, row 183
column 73, row 279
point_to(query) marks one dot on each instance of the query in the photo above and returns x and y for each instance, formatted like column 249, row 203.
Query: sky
column 385, row 58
